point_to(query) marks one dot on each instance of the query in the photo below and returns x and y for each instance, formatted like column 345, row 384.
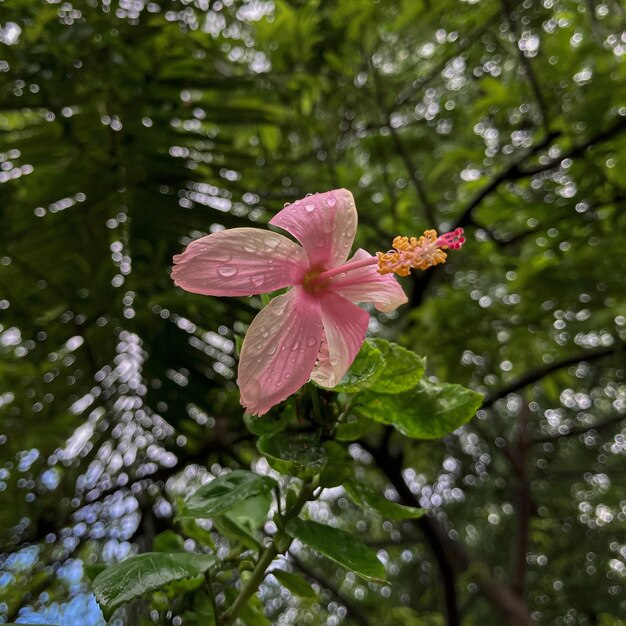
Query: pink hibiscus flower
column 314, row 330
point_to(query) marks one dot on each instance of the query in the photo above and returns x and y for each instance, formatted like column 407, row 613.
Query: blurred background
column 128, row 128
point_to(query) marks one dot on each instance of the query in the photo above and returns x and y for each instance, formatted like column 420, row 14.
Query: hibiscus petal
column 279, row 350
column 325, row 225
column 367, row 285
column 239, row 262
column 345, row 326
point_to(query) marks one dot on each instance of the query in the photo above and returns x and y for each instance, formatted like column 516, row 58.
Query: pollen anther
column 418, row 253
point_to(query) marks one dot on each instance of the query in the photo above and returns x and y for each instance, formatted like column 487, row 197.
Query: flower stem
column 267, row 556
column 317, row 411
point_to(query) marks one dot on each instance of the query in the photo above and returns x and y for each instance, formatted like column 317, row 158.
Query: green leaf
column 295, row 454
column 191, row 528
column 273, row 422
column 252, row 613
column 296, row 584
column 338, row 466
column 428, row 411
column 202, row 613
column 340, row 546
column 168, row 541
column 92, row 570
column 367, row 367
column 242, row 521
column 236, row 532
column 270, row 137
column 144, row 573
column 353, row 429
column 367, row 498
column 224, row 493
column 403, row 368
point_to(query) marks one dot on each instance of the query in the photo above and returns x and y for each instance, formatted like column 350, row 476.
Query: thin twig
column 537, row 374
column 512, row 20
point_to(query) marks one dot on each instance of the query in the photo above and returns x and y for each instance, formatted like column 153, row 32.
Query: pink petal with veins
column 239, row 262
column 367, row 285
column 279, row 350
column 345, row 326
column 325, row 225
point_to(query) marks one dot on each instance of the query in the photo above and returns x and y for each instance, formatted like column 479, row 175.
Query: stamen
column 342, row 269
column 418, row 253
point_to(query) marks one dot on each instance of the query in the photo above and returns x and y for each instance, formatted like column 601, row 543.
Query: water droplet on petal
column 227, row 271
column 332, row 201
column 311, row 341
column 309, row 207
column 308, row 194
column 272, row 350
column 286, row 204
column 223, row 255
column 295, row 346
column 257, row 280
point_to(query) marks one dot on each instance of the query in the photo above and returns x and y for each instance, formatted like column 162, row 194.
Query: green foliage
column 428, row 411
column 128, row 131
column 224, row 493
column 368, row 499
column 339, row 546
column 366, row 369
column 403, row 368
column 294, row 454
column 295, row 584
column 145, row 573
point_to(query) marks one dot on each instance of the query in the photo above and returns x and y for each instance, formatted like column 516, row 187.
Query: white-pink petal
column 279, row 350
column 324, row 223
column 345, row 327
column 240, row 262
column 367, row 285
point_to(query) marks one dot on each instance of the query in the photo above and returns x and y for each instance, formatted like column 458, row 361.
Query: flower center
column 312, row 281
column 316, row 279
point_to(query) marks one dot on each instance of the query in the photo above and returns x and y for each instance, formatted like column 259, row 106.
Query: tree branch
column 453, row 558
column 575, row 151
column 512, row 19
column 575, row 432
column 405, row 155
column 537, row 374
column 516, row 171
column 524, row 503
column 511, row 172
column 355, row 612
column 464, row 44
